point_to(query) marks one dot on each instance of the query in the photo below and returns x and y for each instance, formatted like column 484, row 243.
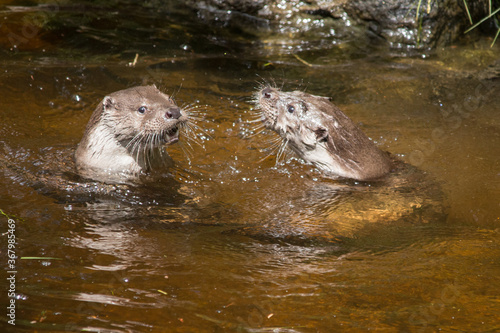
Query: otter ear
column 107, row 103
column 321, row 134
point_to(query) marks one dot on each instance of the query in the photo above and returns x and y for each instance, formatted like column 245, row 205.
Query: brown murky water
column 228, row 240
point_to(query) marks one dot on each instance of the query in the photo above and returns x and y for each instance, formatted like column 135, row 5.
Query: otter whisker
column 176, row 92
column 191, row 127
column 143, row 147
column 193, row 107
column 138, row 138
column 142, row 152
column 133, row 143
column 154, row 147
column 194, row 119
column 139, row 146
column 195, row 125
column 187, row 144
column 187, row 149
column 256, row 125
column 257, row 130
column 255, row 120
column 281, row 151
column 192, row 137
column 195, row 111
column 134, row 139
column 159, row 139
column 282, row 85
column 148, row 149
column 275, row 142
column 262, row 83
column 275, row 145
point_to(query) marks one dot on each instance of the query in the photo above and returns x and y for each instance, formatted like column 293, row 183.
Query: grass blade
column 468, row 13
column 495, row 39
column 484, row 19
column 40, row 258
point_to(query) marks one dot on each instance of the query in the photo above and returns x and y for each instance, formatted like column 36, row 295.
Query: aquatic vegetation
column 493, row 15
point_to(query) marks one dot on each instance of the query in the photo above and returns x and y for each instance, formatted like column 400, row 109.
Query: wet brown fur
column 125, row 132
column 320, row 133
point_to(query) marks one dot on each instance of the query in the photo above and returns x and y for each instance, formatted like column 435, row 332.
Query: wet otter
column 320, row 133
column 125, row 132
column 334, row 210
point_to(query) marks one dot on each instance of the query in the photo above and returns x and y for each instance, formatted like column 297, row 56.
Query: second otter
column 320, row 133
column 125, row 132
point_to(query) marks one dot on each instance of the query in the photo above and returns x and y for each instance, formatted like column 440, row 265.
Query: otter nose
column 173, row 113
column 266, row 92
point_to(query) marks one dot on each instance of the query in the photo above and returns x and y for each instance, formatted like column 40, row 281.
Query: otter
column 320, row 133
column 125, row 134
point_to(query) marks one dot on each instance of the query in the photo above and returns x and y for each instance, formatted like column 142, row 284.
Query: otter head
column 125, row 130
column 143, row 117
column 320, row 133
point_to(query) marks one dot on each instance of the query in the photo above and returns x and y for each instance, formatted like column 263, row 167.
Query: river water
column 229, row 239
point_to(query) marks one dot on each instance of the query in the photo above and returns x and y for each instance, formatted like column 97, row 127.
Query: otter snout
column 174, row 113
column 267, row 92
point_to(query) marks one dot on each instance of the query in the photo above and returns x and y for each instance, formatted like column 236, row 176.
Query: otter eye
column 142, row 110
column 291, row 108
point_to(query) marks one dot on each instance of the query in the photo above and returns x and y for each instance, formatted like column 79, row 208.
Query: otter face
column 125, row 133
column 321, row 134
column 143, row 116
column 295, row 119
